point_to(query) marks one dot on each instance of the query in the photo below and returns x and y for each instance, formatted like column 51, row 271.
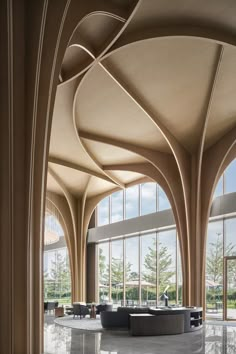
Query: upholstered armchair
column 50, row 306
column 80, row 310
column 103, row 307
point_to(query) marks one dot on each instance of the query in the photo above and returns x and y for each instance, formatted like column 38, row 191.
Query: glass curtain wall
column 117, row 208
column 117, row 271
column 104, row 271
column 132, row 202
column 141, row 267
column 149, row 269
column 148, row 198
column 57, row 278
column 221, row 243
column 132, row 271
column 227, row 182
column 56, row 266
column 141, row 199
column 167, row 266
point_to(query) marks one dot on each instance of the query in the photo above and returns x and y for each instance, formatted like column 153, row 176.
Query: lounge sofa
column 153, row 321
column 156, row 325
column 119, row 318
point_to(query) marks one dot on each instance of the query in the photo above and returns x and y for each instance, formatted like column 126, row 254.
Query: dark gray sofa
column 152, row 325
column 119, row 318
column 154, row 321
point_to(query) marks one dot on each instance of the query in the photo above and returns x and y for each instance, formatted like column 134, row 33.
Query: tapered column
column 13, row 189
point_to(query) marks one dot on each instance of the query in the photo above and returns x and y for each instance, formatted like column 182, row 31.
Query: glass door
column 230, row 289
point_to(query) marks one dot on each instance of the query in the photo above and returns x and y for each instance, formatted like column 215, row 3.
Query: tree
column 116, row 269
column 215, row 259
column 150, row 264
column 215, row 269
column 163, row 270
column 103, row 268
column 57, row 282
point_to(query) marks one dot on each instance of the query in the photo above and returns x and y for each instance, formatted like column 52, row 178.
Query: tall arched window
column 135, row 270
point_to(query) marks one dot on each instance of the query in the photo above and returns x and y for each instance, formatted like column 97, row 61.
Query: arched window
column 135, row 270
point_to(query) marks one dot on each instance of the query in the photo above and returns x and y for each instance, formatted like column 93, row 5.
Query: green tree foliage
column 103, row 268
column 150, row 265
column 57, row 283
column 116, row 270
column 215, row 259
column 215, row 270
column 164, row 260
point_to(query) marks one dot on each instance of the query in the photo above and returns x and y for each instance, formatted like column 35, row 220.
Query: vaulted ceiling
column 137, row 81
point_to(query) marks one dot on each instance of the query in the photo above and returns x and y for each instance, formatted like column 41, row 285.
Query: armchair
column 103, row 307
column 80, row 310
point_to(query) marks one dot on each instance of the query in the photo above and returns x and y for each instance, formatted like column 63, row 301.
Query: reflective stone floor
column 214, row 338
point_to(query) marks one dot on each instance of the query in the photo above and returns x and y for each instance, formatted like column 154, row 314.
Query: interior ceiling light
column 50, row 237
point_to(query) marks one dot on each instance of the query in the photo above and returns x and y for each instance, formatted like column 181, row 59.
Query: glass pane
column 117, row 271
column 132, row 271
column 103, row 271
column 57, row 278
column 214, row 270
column 230, row 237
column 148, row 269
column 163, row 201
column 51, row 223
column 103, row 212
column 230, row 178
column 219, row 188
column 167, row 265
column 45, row 262
column 180, row 277
column 132, row 202
column 117, row 206
column 231, row 289
column 148, row 198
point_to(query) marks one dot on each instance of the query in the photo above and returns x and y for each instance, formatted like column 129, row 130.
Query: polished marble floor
column 214, row 338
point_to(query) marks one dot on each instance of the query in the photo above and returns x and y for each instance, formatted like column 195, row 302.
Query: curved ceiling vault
column 131, row 83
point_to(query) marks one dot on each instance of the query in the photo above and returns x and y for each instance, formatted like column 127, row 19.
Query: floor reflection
column 212, row 339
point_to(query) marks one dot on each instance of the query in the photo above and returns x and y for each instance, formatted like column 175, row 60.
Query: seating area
column 81, row 309
column 139, row 321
